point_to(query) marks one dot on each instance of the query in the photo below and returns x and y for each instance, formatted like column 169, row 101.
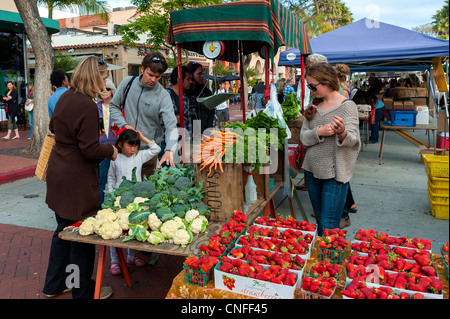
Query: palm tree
column 440, row 21
column 321, row 16
column 84, row 7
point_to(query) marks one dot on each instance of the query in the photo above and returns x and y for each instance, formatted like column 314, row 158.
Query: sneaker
column 115, row 269
column 63, row 292
column 136, row 261
column 345, row 222
column 106, row 292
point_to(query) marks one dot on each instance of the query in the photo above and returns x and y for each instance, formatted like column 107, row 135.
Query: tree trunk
column 45, row 58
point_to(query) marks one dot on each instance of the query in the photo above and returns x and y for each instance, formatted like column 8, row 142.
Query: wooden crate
column 280, row 174
column 224, row 192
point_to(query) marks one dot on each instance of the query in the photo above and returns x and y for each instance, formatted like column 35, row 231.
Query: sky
column 402, row 13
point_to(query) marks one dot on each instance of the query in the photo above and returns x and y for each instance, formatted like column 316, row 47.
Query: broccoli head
column 170, row 180
column 201, row 207
column 183, row 183
column 182, row 196
column 180, row 209
column 145, row 189
column 126, row 198
column 164, row 214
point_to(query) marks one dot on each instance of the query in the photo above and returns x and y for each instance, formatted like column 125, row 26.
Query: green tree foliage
column 84, row 7
column 440, row 21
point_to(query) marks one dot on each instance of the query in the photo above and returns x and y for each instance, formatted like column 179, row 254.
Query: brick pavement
column 24, row 256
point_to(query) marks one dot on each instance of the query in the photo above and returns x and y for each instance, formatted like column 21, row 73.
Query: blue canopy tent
column 368, row 43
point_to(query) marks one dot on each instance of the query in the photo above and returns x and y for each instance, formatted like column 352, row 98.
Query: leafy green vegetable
column 290, row 107
column 138, row 217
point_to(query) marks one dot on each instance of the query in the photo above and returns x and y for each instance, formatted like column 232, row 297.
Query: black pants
column 78, row 256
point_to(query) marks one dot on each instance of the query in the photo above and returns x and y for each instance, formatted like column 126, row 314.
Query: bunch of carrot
column 212, row 149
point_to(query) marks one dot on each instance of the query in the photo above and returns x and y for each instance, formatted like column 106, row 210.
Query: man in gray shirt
column 148, row 108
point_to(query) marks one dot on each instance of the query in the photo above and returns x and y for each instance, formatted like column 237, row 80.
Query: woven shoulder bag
column 42, row 165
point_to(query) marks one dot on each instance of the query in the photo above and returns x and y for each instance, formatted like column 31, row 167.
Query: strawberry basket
column 333, row 256
column 443, row 247
column 197, row 278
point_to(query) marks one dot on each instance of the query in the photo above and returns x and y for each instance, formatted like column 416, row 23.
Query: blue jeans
column 30, row 120
column 375, row 128
column 103, row 176
column 327, row 199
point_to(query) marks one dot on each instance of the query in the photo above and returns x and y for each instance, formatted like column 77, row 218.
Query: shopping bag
column 273, row 109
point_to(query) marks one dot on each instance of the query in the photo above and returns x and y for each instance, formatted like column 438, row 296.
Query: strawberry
column 423, row 259
column 350, row 293
column 429, row 271
column 436, row 285
column 226, row 267
column 400, row 282
column 416, row 287
column 417, row 296
column 404, row 295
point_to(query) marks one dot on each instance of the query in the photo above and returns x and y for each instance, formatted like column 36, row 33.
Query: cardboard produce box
column 443, row 125
column 397, row 105
column 388, row 102
column 419, row 101
column 253, row 287
column 409, row 105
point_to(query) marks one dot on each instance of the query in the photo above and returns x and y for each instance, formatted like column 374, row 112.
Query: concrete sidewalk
column 391, row 197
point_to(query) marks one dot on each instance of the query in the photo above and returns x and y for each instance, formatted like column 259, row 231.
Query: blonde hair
column 87, row 79
column 342, row 70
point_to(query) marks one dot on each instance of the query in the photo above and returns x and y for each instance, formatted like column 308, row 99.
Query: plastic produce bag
column 273, row 109
column 307, row 98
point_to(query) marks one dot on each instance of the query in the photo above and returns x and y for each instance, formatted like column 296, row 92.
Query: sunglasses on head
column 101, row 62
column 158, row 60
column 313, row 87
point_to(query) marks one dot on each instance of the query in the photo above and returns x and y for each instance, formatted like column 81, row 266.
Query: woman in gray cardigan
column 330, row 134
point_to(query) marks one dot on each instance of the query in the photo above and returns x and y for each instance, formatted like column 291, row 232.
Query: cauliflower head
column 121, row 211
column 117, row 202
column 179, row 222
column 123, row 221
column 106, row 214
column 153, row 221
column 199, row 224
column 87, row 227
column 182, row 237
column 191, row 215
column 97, row 224
column 169, row 228
column 110, row 230
column 156, row 238
column 138, row 200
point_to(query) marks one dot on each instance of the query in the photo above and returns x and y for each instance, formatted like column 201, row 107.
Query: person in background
column 315, row 58
column 174, row 94
column 199, row 89
column 342, row 70
column 234, row 89
column 58, row 79
column 289, row 88
column 223, row 109
column 30, row 97
column 106, row 136
column 72, row 179
column 11, row 98
column 148, row 109
column 379, row 111
column 130, row 157
column 330, row 133
column 280, row 89
column 258, row 96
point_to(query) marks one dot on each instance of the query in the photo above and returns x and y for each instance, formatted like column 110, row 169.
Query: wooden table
column 387, row 127
column 72, row 234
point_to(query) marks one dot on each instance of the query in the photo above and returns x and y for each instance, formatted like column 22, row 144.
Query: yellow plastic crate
column 438, row 210
column 436, row 165
column 439, row 190
column 438, row 198
column 439, row 181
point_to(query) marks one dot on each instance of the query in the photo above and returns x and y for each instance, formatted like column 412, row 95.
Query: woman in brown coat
column 72, row 179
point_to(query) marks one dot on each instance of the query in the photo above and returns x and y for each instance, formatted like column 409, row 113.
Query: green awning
column 12, row 21
column 255, row 22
